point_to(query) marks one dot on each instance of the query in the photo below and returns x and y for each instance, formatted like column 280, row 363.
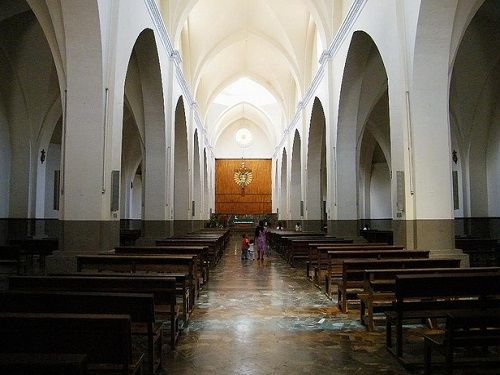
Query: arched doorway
column 30, row 120
column 131, row 206
column 206, row 188
column 475, row 124
column 316, row 165
column 283, row 212
column 196, row 206
column 181, row 166
column 363, row 128
column 296, row 180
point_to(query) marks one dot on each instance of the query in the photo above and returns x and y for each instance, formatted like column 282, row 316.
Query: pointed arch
column 181, row 164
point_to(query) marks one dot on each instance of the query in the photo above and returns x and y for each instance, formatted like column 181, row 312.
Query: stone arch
column 363, row 107
column 143, row 83
column 181, row 165
column 196, row 178
column 474, row 117
column 49, row 172
column 296, row 179
column 30, row 110
column 132, row 186
column 316, row 163
column 206, row 188
column 283, row 206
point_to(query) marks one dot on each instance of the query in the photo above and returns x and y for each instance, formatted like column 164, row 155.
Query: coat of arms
column 243, row 176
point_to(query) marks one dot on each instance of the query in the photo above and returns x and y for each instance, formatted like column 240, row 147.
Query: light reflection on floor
column 266, row 318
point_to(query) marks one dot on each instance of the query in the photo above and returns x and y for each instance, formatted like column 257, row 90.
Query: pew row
column 105, row 339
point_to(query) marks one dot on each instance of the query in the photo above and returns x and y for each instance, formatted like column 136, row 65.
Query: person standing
column 244, row 247
column 260, row 240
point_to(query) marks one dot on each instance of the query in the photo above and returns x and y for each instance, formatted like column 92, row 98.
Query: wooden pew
column 10, row 259
column 379, row 288
column 317, row 253
column 430, row 296
column 183, row 285
column 43, row 364
column 215, row 249
column 162, row 288
column 36, row 249
column 142, row 263
column 334, row 258
column 200, row 251
column 464, row 329
column 277, row 240
column 140, row 308
column 481, row 251
column 351, row 281
column 285, row 248
column 105, row 339
column 299, row 248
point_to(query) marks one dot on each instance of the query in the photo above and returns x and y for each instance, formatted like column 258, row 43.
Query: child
column 251, row 251
column 244, row 247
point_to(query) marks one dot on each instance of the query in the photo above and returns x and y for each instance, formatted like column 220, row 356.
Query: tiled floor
column 267, row 318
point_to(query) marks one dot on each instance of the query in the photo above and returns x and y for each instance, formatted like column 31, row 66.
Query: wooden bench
column 215, row 249
column 162, row 288
column 43, row 364
column 142, row 263
column 140, row 308
column 336, row 257
column 105, row 339
column 299, row 248
column 431, row 296
column 482, row 251
column 10, row 259
column 464, row 329
column 351, row 281
column 379, row 288
column 318, row 261
column 35, row 250
column 277, row 238
column 183, row 286
column 200, row 251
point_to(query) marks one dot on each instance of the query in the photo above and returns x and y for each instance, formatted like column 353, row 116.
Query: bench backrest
column 163, row 288
column 355, row 269
column 479, row 284
column 140, row 307
column 390, row 274
column 336, row 255
column 133, row 263
column 104, row 338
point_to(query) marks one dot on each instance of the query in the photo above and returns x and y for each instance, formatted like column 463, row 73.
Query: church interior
column 356, row 143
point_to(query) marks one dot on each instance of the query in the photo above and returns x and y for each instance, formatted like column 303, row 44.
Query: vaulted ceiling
column 250, row 59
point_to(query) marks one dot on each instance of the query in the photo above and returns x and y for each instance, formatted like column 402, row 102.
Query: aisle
column 266, row 318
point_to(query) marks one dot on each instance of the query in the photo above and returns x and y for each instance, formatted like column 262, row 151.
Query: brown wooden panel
column 256, row 197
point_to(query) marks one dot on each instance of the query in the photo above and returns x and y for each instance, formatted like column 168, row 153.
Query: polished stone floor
column 267, row 318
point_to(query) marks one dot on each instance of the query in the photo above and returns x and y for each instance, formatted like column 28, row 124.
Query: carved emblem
column 243, row 176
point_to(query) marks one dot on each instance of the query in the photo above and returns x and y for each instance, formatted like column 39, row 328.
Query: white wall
column 226, row 146
column 380, row 192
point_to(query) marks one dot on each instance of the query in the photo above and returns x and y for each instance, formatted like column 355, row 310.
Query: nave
column 267, row 318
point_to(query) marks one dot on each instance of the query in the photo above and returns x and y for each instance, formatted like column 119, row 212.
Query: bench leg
column 371, row 325
column 343, row 298
column 388, row 333
column 449, row 360
column 399, row 338
column 427, row 357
